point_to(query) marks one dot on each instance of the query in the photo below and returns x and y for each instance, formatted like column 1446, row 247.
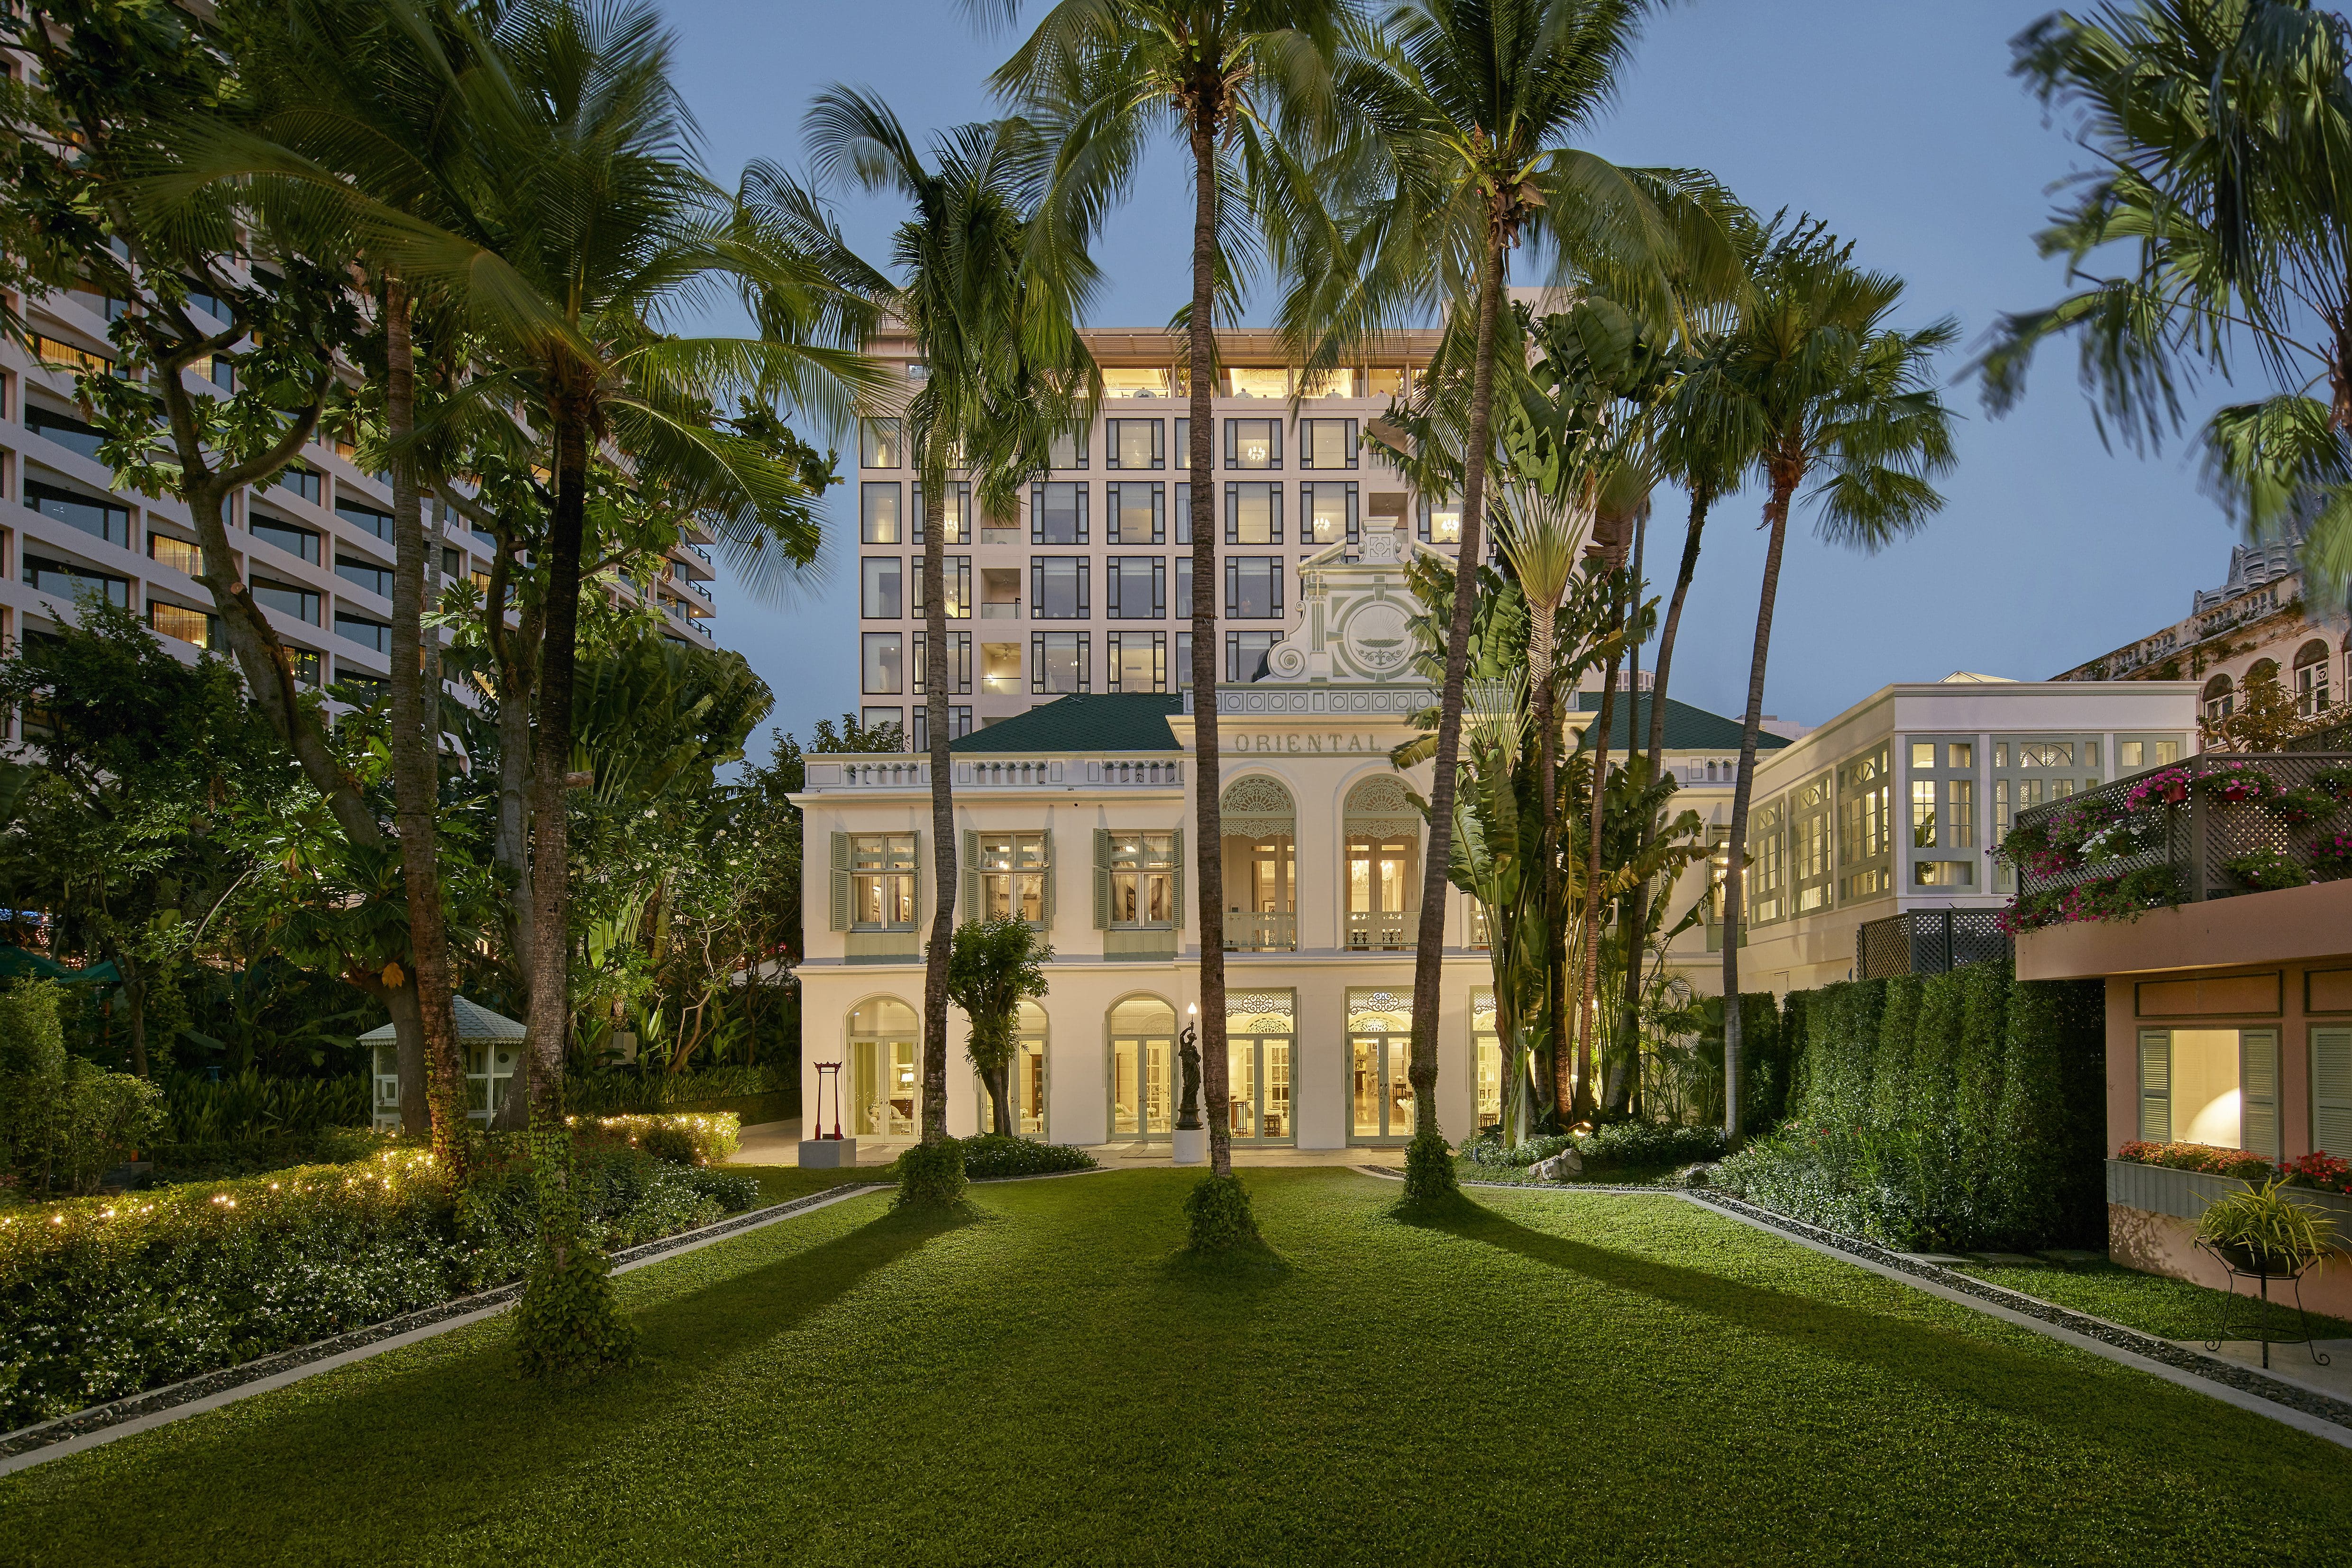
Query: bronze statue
column 1188, row 1052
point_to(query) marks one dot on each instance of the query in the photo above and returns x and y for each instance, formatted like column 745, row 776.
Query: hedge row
column 101, row 1298
column 1959, row 1110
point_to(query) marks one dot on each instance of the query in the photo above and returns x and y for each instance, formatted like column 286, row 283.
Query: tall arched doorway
column 1261, row 1044
column 1142, row 1076
column 884, row 1043
column 1024, row 1078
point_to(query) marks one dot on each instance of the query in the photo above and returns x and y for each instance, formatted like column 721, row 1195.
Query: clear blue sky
column 1897, row 121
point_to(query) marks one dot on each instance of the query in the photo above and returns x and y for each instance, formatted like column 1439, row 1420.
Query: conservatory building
column 1075, row 816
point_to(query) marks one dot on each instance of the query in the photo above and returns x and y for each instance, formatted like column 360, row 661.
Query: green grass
column 1042, row 1381
column 781, row 1184
column 1609, row 1176
column 2172, row 1309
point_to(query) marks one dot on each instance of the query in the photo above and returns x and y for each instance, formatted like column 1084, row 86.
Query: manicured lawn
column 2174, row 1309
column 1548, row 1379
column 781, row 1184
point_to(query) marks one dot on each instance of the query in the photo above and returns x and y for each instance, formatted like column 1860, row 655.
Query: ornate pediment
column 1355, row 615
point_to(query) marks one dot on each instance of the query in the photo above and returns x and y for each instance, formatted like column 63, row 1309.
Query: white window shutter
column 972, row 910
column 2156, row 1085
column 1178, row 888
column 2258, row 1092
column 841, row 881
column 2331, row 1092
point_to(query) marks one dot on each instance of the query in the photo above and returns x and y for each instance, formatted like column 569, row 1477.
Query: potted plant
column 2331, row 854
column 2260, row 1231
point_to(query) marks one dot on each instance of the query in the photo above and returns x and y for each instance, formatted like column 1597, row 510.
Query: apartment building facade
column 315, row 546
column 1088, row 588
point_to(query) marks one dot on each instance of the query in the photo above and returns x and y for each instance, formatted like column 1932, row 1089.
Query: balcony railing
column 994, row 610
column 1926, row 942
column 2212, row 827
column 1382, row 931
column 1247, row 932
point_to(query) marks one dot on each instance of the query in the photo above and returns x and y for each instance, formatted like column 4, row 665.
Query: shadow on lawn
column 472, row 1396
column 1958, row 1363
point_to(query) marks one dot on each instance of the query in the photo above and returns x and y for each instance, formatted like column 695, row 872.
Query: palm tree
column 1240, row 83
column 556, row 223
column 378, row 109
column 584, row 226
column 992, row 299
column 1829, row 396
column 1462, row 109
column 2222, row 134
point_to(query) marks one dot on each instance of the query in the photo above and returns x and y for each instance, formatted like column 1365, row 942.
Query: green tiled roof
column 1111, row 721
column 1688, row 729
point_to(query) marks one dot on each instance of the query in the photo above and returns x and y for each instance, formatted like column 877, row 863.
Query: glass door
column 884, row 1088
column 1380, row 1050
column 1024, row 1079
column 1143, row 1070
column 1261, row 1031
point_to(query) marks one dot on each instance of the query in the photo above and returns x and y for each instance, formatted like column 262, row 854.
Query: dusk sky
column 1899, row 123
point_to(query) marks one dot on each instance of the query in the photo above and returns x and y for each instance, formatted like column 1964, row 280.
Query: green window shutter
column 2156, row 1085
column 2258, row 1130
column 922, row 883
column 2331, row 1092
column 841, row 881
column 1049, row 880
column 1177, row 883
column 971, row 876
column 1102, row 878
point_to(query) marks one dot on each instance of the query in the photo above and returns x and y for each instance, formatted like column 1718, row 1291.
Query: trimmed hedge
column 101, row 1298
column 991, row 1155
column 1958, row 1110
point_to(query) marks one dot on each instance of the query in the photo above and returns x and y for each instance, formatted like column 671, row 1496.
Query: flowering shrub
column 2301, row 806
column 2124, row 897
column 2158, row 790
column 2201, row 1157
column 2331, row 854
column 2324, row 1172
column 102, row 1298
column 707, row 1137
column 2334, row 783
column 2267, row 868
column 2237, row 783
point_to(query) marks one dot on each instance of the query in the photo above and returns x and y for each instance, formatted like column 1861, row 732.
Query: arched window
column 2221, row 699
column 1261, row 863
column 2265, row 672
column 884, row 1037
column 1384, row 836
column 2311, row 693
column 1142, row 1068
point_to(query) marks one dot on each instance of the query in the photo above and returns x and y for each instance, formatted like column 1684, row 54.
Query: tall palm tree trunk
column 943, row 844
column 1429, row 947
column 1776, row 514
column 1588, row 967
column 550, row 1017
column 416, row 753
column 1700, row 500
column 1208, row 851
column 1621, row 1080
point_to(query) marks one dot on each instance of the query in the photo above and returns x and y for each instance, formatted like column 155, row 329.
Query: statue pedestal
column 1193, row 1146
column 828, row 1154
